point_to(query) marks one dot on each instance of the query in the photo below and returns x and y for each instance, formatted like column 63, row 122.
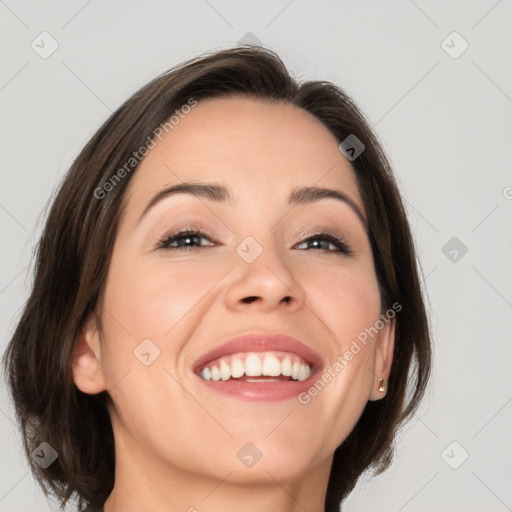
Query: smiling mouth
column 269, row 366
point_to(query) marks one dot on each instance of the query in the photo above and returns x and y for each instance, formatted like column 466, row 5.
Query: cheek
column 151, row 299
column 162, row 302
column 346, row 297
column 347, row 301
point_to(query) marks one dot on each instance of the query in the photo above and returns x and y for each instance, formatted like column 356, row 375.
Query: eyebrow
column 220, row 193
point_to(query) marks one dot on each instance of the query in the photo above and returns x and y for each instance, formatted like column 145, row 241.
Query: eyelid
column 309, row 231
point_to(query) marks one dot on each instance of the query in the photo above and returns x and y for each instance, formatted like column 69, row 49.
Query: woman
column 226, row 306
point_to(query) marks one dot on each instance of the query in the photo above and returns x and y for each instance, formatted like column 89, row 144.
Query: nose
column 266, row 283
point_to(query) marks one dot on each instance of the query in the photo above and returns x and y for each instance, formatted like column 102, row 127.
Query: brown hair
column 74, row 253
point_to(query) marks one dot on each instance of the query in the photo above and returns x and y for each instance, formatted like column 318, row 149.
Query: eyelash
column 322, row 235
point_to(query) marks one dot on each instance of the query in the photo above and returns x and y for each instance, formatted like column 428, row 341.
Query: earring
column 381, row 385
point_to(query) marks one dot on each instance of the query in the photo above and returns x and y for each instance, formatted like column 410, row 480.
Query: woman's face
column 168, row 304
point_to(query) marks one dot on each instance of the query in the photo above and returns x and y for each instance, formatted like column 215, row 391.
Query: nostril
column 250, row 299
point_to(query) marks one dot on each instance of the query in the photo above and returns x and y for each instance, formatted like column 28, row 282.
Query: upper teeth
column 254, row 364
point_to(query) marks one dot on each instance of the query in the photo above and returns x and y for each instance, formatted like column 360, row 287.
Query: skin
column 177, row 440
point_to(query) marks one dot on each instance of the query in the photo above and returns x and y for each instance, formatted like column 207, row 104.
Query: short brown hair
column 75, row 249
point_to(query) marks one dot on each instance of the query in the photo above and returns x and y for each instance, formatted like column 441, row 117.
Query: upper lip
column 262, row 342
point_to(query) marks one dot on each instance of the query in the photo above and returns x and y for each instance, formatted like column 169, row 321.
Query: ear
column 385, row 345
column 87, row 366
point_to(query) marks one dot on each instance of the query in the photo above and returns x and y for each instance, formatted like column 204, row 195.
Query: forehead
column 251, row 145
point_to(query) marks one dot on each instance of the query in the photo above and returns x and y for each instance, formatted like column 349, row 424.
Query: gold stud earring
column 381, row 385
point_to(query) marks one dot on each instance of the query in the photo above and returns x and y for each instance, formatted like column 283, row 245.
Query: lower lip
column 261, row 391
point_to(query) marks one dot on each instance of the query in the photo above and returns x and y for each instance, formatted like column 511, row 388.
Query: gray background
column 445, row 122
